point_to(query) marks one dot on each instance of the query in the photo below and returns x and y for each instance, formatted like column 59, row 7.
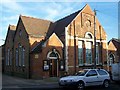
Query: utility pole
column 94, row 38
column 74, row 48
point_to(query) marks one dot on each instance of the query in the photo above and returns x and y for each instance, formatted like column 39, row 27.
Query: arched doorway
column 53, row 57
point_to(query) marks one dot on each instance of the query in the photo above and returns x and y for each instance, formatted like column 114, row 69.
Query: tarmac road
column 14, row 83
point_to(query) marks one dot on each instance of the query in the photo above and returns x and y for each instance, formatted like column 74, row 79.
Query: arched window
column 88, row 53
column 111, row 59
column 23, row 56
column 16, row 56
column 88, row 35
column 20, row 54
column 80, row 52
column 10, row 57
column 8, row 63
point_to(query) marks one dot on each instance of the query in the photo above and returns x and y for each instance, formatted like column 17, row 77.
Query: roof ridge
column 69, row 15
column 78, row 11
column 117, row 40
column 35, row 18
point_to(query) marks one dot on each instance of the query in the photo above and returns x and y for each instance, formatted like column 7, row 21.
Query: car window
column 81, row 73
column 92, row 73
column 101, row 72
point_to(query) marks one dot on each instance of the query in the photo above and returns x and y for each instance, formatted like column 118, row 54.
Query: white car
column 86, row 77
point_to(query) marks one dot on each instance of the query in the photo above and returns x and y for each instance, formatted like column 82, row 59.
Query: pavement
column 15, row 82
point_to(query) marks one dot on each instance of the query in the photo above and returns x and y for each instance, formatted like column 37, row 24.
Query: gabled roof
column 11, row 30
column 35, row 26
column 64, row 22
column 38, row 47
column 58, row 28
column 116, row 42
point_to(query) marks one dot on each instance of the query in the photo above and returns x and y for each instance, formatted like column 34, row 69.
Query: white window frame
column 80, row 59
column 88, row 47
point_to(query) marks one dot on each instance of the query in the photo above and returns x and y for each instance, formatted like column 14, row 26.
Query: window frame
column 87, row 56
column 20, row 54
column 90, row 75
column 80, row 53
column 16, row 57
column 23, row 57
column 102, row 71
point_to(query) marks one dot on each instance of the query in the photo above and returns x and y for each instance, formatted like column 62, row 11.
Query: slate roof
column 116, row 42
column 35, row 26
column 58, row 27
column 38, row 47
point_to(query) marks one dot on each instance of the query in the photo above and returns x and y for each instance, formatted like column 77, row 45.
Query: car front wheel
column 80, row 86
column 106, row 83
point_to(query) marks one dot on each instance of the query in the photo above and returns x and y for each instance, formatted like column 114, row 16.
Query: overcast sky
column 107, row 13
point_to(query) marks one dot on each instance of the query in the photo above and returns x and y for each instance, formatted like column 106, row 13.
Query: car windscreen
column 81, row 73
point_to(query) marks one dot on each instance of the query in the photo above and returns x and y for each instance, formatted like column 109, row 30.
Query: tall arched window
column 8, row 55
column 20, row 54
column 88, row 52
column 111, row 59
column 23, row 56
column 80, row 52
column 16, row 57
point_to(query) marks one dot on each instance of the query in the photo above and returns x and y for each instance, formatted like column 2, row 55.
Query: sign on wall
column 46, row 65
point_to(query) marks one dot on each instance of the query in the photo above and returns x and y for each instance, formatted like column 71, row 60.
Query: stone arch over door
column 53, row 57
column 53, row 54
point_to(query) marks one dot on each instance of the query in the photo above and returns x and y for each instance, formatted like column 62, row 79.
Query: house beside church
column 37, row 48
column 113, row 52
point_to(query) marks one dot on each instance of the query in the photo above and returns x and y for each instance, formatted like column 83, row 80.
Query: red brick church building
column 37, row 48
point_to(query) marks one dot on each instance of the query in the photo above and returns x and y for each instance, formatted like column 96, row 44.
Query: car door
column 102, row 75
column 91, row 78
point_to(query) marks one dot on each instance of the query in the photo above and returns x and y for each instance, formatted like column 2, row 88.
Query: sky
column 107, row 13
